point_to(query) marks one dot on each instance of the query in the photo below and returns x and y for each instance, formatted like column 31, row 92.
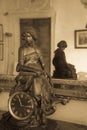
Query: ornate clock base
column 9, row 123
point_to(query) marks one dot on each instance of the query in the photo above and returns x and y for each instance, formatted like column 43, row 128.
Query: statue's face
column 29, row 38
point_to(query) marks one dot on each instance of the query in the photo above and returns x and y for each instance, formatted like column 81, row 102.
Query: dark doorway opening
column 43, row 30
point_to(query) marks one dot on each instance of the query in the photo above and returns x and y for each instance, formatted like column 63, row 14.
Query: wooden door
column 43, row 29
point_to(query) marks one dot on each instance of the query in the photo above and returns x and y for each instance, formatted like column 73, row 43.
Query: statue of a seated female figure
column 33, row 79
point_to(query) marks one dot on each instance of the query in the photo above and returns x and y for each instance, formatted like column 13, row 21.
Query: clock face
column 21, row 105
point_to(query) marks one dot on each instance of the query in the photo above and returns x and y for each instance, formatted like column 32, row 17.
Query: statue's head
column 29, row 33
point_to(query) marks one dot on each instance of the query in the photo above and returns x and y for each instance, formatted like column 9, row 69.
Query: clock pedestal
column 9, row 123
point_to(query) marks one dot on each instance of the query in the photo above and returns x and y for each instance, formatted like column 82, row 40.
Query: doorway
column 43, row 29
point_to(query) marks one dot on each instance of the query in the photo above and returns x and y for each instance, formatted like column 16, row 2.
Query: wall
column 70, row 16
column 7, row 64
column 12, row 14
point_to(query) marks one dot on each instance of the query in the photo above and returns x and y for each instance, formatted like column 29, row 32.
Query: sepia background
column 61, row 18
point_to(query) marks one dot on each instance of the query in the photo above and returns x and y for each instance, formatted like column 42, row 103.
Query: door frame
column 16, row 21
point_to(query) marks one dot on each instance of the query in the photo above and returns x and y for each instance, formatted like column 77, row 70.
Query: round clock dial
column 21, row 105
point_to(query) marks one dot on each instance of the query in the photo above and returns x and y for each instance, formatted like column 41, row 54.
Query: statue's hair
column 30, row 30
